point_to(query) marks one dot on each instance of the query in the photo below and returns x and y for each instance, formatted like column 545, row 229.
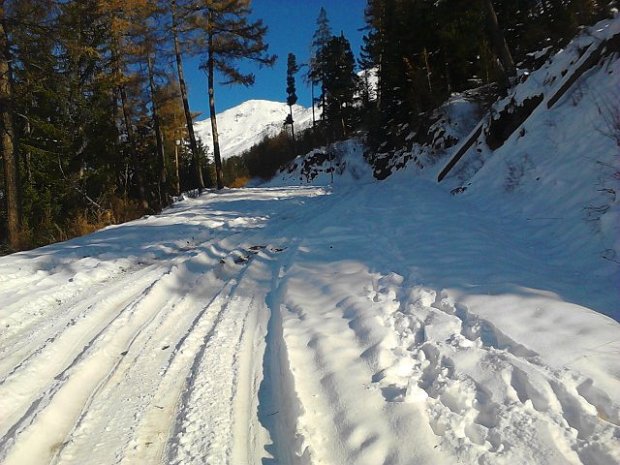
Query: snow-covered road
column 375, row 324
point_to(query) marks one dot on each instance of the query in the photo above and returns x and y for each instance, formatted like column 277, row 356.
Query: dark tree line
column 95, row 122
column 426, row 49
column 418, row 53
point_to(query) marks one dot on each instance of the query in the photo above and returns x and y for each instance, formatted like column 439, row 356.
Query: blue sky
column 291, row 25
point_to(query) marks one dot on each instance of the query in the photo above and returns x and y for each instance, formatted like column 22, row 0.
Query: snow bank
column 557, row 176
column 429, row 143
column 339, row 163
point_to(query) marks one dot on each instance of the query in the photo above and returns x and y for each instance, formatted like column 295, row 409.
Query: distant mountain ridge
column 247, row 124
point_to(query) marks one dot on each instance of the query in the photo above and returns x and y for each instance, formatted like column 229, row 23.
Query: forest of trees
column 421, row 52
column 95, row 118
column 95, row 121
column 425, row 50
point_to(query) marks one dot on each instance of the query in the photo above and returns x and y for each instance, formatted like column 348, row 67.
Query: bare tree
column 183, row 86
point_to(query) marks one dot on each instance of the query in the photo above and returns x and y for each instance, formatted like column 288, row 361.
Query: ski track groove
column 56, row 373
column 68, row 311
column 195, row 434
column 96, row 346
column 293, row 439
column 171, row 390
column 176, row 320
column 50, row 305
column 46, row 334
column 137, row 347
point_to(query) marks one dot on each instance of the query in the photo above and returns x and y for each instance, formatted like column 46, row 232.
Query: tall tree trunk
column 428, row 70
column 313, row 118
column 366, row 91
column 290, row 109
column 159, row 138
column 132, row 147
column 128, row 127
column 323, row 97
column 8, row 142
column 448, row 81
column 28, row 158
column 342, row 122
column 219, row 174
column 499, row 41
column 176, row 164
column 188, row 115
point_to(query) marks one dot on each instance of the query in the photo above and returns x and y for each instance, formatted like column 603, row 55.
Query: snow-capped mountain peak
column 247, row 124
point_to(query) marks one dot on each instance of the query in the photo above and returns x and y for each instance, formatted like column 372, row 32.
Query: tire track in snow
column 212, row 423
column 27, row 344
column 154, row 428
column 26, row 389
column 134, row 387
column 45, row 299
column 313, row 359
column 250, row 439
column 41, row 430
column 76, row 386
column 329, row 361
column 74, row 377
column 139, row 428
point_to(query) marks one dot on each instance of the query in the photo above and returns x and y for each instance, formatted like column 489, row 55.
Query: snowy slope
column 557, row 175
column 340, row 163
column 247, row 124
column 559, row 171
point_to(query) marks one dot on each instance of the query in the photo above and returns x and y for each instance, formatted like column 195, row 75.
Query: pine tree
column 339, row 82
column 82, row 139
column 367, row 66
column 119, row 17
column 146, row 39
column 372, row 41
column 230, row 36
column 316, row 69
column 159, row 138
column 291, row 95
column 83, row 110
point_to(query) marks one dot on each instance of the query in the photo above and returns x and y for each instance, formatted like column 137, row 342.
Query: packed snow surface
column 362, row 323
